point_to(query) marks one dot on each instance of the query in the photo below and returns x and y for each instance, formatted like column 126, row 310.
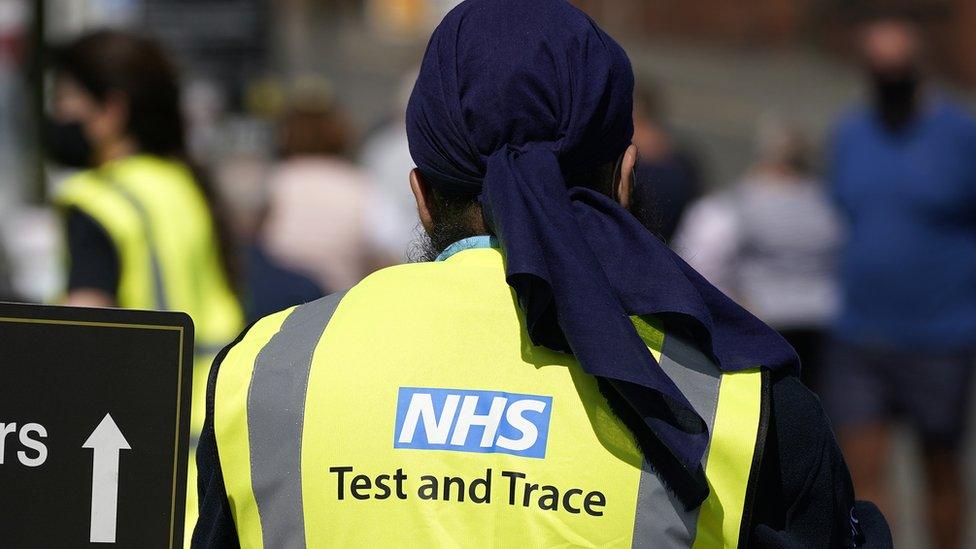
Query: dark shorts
column 928, row 391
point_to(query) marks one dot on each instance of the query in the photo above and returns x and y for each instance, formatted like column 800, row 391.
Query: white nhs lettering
column 509, row 423
column 422, row 406
column 467, row 418
column 517, row 420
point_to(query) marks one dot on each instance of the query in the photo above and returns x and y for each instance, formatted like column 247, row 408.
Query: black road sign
column 94, row 426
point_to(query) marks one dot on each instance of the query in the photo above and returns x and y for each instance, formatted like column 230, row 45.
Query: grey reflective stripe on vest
column 275, row 418
column 661, row 520
column 159, row 289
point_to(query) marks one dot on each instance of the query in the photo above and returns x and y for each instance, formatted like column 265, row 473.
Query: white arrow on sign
column 106, row 441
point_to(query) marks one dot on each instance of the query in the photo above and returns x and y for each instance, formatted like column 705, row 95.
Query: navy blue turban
column 513, row 98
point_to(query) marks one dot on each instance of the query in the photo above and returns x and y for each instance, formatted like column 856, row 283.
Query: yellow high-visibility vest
column 413, row 411
column 162, row 229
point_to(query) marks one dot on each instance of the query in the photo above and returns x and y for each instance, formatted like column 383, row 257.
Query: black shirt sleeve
column 93, row 259
column 215, row 526
column 805, row 495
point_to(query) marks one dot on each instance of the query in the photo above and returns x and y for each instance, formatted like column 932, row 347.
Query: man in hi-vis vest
column 556, row 376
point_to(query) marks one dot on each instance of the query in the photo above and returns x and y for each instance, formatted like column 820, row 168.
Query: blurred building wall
column 741, row 22
column 947, row 24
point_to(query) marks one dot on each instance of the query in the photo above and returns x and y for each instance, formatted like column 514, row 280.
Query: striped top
column 771, row 245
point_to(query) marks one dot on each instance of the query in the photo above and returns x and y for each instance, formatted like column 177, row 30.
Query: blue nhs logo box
column 472, row 421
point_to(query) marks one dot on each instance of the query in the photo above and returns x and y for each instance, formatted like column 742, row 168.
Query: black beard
column 643, row 206
column 895, row 97
column 422, row 249
column 427, row 245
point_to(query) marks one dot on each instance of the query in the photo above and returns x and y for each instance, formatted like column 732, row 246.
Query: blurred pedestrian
column 318, row 199
column 904, row 175
column 668, row 174
column 771, row 242
column 142, row 228
column 266, row 286
column 241, row 176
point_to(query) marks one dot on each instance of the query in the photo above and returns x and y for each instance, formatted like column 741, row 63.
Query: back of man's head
column 891, row 42
column 504, row 75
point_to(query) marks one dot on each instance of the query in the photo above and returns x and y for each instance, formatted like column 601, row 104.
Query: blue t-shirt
column 908, row 269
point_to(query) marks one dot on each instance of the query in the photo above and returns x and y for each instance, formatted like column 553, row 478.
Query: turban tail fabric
column 513, row 97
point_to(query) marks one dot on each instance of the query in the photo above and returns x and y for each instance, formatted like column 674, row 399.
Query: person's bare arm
column 88, row 297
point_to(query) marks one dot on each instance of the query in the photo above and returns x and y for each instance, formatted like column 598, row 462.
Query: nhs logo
column 472, row 421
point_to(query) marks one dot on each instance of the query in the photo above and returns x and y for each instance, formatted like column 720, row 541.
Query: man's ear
column 421, row 193
column 627, row 164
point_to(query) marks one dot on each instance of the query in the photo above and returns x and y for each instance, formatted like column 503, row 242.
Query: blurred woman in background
column 771, row 242
column 318, row 199
column 142, row 229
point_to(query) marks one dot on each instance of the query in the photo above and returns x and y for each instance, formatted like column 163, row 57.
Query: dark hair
column 315, row 131
column 107, row 62
column 454, row 216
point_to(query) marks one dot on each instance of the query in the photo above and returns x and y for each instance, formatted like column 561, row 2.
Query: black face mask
column 66, row 143
column 895, row 97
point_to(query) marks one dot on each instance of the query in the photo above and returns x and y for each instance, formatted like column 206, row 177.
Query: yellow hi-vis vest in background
column 162, row 229
column 413, row 411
